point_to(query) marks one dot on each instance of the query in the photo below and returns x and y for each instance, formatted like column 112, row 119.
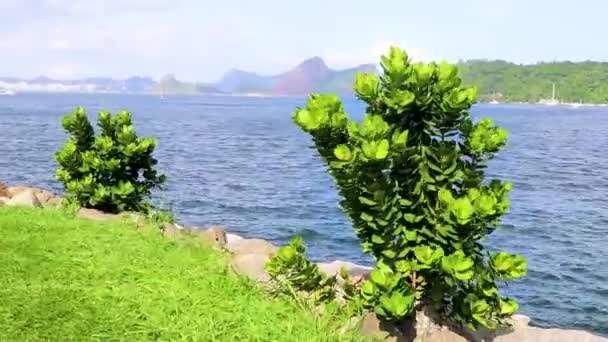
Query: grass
column 69, row 279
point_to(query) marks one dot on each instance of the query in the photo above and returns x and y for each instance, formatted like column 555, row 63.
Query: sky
column 199, row 40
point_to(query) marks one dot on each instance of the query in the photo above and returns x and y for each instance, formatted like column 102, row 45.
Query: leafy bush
column 294, row 275
column 112, row 172
column 290, row 268
column 412, row 180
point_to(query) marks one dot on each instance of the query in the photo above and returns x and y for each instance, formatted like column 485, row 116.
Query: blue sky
column 198, row 40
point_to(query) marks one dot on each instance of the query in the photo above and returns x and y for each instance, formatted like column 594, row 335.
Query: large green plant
column 411, row 175
column 112, row 172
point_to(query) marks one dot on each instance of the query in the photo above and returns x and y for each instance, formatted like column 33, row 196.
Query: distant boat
column 552, row 101
column 7, row 92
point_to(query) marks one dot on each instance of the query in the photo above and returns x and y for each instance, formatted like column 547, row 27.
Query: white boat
column 7, row 92
column 552, row 101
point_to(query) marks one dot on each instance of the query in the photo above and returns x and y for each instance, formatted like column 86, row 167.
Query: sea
column 242, row 163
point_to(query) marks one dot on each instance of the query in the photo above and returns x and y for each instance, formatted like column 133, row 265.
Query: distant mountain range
column 501, row 81
column 312, row 75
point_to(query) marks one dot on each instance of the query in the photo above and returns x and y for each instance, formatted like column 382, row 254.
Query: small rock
column 251, row 265
column 54, row 202
column 333, row 268
column 171, row 230
column 251, row 246
column 45, row 197
column 26, row 198
column 95, row 214
column 3, row 190
column 214, row 235
column 371, row 325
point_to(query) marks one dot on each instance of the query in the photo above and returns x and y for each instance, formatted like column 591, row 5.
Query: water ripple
column 241, row 162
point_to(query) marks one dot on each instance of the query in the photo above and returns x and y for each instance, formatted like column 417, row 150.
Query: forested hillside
column 574, row 82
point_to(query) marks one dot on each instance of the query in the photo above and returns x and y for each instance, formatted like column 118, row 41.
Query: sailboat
column 552, row 101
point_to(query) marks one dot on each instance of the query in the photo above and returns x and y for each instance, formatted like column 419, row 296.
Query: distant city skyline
column 199, row 40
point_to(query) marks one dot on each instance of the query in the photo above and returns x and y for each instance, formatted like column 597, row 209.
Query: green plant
column 112, row 172
column 411, row 175
column 294, row 273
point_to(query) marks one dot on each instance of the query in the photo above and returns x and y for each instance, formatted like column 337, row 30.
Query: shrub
column 112, row 172
column 294, row 275
column 411, row 175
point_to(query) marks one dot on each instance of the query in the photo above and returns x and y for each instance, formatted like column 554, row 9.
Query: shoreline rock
column 249, row 256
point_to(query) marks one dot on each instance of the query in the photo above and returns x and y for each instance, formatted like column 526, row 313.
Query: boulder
column 251, row 246
column 3, row 200
column 251, row 265
column 214, row 235
column 232, row 238
column 53, row 202
column 172, row 230
column 426, row 327
column 372, row 326
column 333, row 268
column 25, row 198
column 45, row 197
column 95, row 214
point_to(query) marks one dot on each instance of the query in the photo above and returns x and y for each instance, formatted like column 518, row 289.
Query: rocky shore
column 248, row 257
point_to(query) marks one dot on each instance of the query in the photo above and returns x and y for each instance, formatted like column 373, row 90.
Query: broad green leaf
column 382, row 150
column 507, row 307
column 509, row 266
column 367, row 201
column 458, row 265
column 378, row 239
column 397, row 304
column 462, row 210
column 342, row 152
column 366, row 85
column 400, row 139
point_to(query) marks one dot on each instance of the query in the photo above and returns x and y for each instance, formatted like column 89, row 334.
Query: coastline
column 249, row 255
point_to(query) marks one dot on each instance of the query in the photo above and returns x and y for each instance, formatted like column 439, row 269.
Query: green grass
column 69, row 279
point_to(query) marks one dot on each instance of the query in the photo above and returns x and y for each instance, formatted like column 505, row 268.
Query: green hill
column 574, row 82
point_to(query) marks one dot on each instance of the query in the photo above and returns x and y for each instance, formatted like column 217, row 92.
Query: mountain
column 311, row 75
column 169, row 85
column 305, row 77
column 238, row 81
column 341, row 82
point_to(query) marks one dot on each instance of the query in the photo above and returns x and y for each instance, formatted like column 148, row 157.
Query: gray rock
column 25, row 198
column 172, row 230
column 215, row 235
column 426, row 327
column 95, row 214
column 251, row 246
column 333, row 268
column 251, row 265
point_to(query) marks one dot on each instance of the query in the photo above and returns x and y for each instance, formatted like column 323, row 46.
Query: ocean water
column 242, row 163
